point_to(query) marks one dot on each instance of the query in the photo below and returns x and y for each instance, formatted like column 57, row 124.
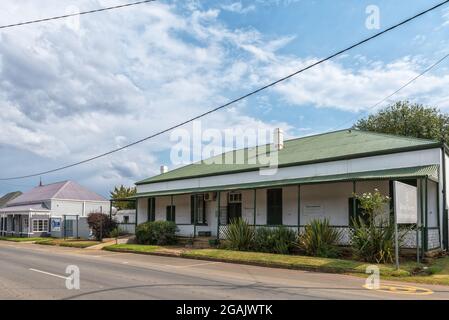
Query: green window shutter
column 151, row 209
column 171, row 213
column 274, row 206
column 192, row 209
column 351, row 210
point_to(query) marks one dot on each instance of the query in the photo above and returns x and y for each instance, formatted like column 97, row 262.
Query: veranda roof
column 430, row 172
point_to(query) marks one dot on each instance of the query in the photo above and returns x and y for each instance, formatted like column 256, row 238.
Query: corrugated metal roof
column 9, row 197
column 61, row 190
column 400, row 173
column 319, row 148
column 25, row 208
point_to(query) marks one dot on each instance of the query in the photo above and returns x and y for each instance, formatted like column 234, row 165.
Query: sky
column 71, row 89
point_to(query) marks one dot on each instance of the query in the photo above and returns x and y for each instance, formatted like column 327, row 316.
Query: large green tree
column 408, row 119
column 123, row 192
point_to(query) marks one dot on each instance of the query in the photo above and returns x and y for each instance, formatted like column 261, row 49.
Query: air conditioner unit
column 210, row 196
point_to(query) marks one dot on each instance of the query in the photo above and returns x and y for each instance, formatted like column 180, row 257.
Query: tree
column 101, row 225
column 123, row 192
column 408, row 119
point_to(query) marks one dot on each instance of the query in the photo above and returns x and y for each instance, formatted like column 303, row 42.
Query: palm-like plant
column 320, row 239
column 239, row 234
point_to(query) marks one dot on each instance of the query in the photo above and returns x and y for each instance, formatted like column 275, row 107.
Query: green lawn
column 292, row 261
column 436, row 272
column 137, row 248
column 68, row 243
column 16, row 239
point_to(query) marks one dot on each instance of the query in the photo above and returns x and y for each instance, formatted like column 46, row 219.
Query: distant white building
column 58, row 209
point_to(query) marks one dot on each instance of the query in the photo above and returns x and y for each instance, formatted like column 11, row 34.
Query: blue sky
column 73, row 89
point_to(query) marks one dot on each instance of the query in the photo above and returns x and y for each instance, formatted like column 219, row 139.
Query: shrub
column 274, row 240
column 101, row 225
column 320, row 239
column 372, row 235
column 239, row 235
column 373, row 242
column 117, row 232
column 156, row 233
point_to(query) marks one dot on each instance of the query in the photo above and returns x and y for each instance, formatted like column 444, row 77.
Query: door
column 68, row 228
column 234, row 211
column 274, row 207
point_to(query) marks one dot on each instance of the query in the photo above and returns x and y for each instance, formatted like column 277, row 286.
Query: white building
column 316, row 178
column 58, row 209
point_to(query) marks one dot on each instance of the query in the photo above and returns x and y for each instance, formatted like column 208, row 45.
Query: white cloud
column 238, row 7
column 333, row 85
column 68, row 95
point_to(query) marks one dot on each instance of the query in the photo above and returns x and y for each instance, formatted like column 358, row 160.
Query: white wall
column 81, row 208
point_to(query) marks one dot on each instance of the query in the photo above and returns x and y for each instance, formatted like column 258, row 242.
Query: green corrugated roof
column 319, row 148
column 400, row 173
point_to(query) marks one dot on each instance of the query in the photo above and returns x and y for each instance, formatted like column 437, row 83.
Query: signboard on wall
column 405, row 203
column 56, row 224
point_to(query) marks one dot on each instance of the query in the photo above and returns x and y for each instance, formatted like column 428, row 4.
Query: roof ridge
column 397, row 135
column 60, row 189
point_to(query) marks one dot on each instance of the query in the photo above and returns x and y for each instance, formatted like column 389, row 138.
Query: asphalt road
column 29, row 271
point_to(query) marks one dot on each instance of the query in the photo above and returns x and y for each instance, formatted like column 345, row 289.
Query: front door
column 234, row 211
column 274, row 207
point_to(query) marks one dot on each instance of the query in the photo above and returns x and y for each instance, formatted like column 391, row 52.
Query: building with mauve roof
column 57, row 209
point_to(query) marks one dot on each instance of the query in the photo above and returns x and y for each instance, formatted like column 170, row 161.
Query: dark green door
column 234, row 211
column 274, row 207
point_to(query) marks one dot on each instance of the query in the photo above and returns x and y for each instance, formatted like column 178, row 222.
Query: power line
column 396, row 91
column 75, row 14
column 232, row 101
column 390, row 95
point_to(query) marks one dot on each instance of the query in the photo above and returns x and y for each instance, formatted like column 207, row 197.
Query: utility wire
column 75, row 14
column 232, row 101
column 386, row 98
column 396, row 91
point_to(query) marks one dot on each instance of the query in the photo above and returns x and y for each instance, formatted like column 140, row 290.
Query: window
column 40, row 225
column 151, row 209
column 125, row 219
column 198, row 209
column 235, row 197
column 171, row 213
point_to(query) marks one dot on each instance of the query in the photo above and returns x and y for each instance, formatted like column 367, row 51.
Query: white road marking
column 49, row 274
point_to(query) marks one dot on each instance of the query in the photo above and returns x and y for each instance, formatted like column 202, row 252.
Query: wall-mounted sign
column 56, row 224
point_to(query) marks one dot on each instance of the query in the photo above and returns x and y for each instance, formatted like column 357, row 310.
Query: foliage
column 156, row 233
column 408, row 119
column 372, row 239
column 101, row 225
column 274, row 240
column 123, row 192
column 239, row 235
column 320, row 239
column 117, row 232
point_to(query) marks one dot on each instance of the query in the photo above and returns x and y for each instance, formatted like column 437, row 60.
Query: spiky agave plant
column 239, row 235
column 320, row 239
